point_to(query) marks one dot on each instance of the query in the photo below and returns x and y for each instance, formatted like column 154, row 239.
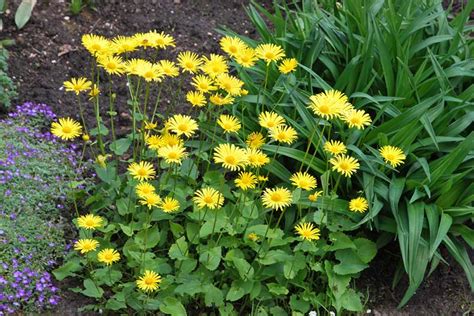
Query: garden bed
column 48, row 52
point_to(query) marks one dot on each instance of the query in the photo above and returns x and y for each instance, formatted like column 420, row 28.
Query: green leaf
column 172, row 306
column 351, row 301
column 67, row 269
column 340, row 241
column 179, row 249
column 277, row 289
column 120, row 146
column 91, row 290
column 244, row 268
column 148, row 238
column 349, row 262
column 366, row 249
column 211, row 258
column 23, row 13
column 213, row 296
column 125, row 206
column 293, row 266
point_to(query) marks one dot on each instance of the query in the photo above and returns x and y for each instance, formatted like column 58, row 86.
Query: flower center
column 269, row 55
column 183, row 127
column 67, row 129
column 141, row 172
column 344, row 165
column 324, row 109
column 149, row 281
column 276, row 197
column 208, row 199
column 230, row 160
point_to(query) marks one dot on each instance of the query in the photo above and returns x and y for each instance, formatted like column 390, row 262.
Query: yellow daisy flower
column 357, row 118
column 307, row 231
column 256, row 158
column 232, row 45
column 269, row 52
column 189, row 61
column 150, row 125
column 252, row 237
column 246, row 180
column 288, row 65
column 150, row 200
column 262, row 178
column 149, row 281
column 101, row 160
column 255, row 140
column 303, row 180
column 218, row 99
column 230, row 156
column 214, row 65
column 172, row 154
column 208, row 197
column 246, row 57
column 329, row 104
column 108, row 256
column 148, row 71
column 66, row 128
column 124, row 44
column 392, row 155
column 95, row 91
column 284, row 134
column 89, row 221
column 169, row 205
column 77, row 85
column 168, row 68
column 344, row 164
column 86, row 245
column 277, row 198
column 182, row 125
column 170, row 140
column 335, row 147
column 196, row 98
column 161, row 40
column 270, row 119
column 314, row 197
column 96, row 44
column 230, row 84
column 229, row 123
column 144, row 188
column 113, row 65
column 141, row 171
column 203, row 83
column 359, row 204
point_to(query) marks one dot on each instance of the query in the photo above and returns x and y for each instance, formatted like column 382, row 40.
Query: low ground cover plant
column 7, row 87
column 235, row 207
column 410, row 66
column 37, row 173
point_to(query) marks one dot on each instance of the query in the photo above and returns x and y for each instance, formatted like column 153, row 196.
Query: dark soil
column 48, row 52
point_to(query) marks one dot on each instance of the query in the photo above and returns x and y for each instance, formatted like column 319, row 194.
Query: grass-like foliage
column 410, row 65
column 249, row 204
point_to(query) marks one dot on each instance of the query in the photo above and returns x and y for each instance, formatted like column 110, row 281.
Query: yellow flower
column 86, row 137
column 246, row 58
column 66, row 128
column 150, row 200
column 144, row 39
column 284, row 134
column 142, row 170
column 77, row 85
column 230, row 84
column 252, row 237
column 314, row 197
column 196, row 98
column 218, row 99
column 150, row 125
column 170, row 140
column 147, row 70
column 255, row 140
column 101, row 160
column 277, row 198
column 344, row 164
column 357, row 118
column 86, row 245
column 246, row 180
column 182, row 125
column 262, row 178
column 89, row 221
column 154, row 141
column 133, row 66
column 108, row 256
column 392, row 155
column 172, row 153
column 288, row 65
column 269, row 52
column 208, row 197
column 232, row 45
column 96, row 44
column 230, row 156
column 124, row 44
column 270, row 119
column 359, row 204
column 243, row 92
column 113, row 65
column 307, row 231
column 329, row 104
column 214, row 65
column 169, row 205
column 303, row 180
column 229, row 123
column 335, row 147
column 168, row 68
column 95, row 91
column 189, row 61
column 161, row 40
column 256, row 158
column 149, row 281
column 144, row 188
column 203, row 83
